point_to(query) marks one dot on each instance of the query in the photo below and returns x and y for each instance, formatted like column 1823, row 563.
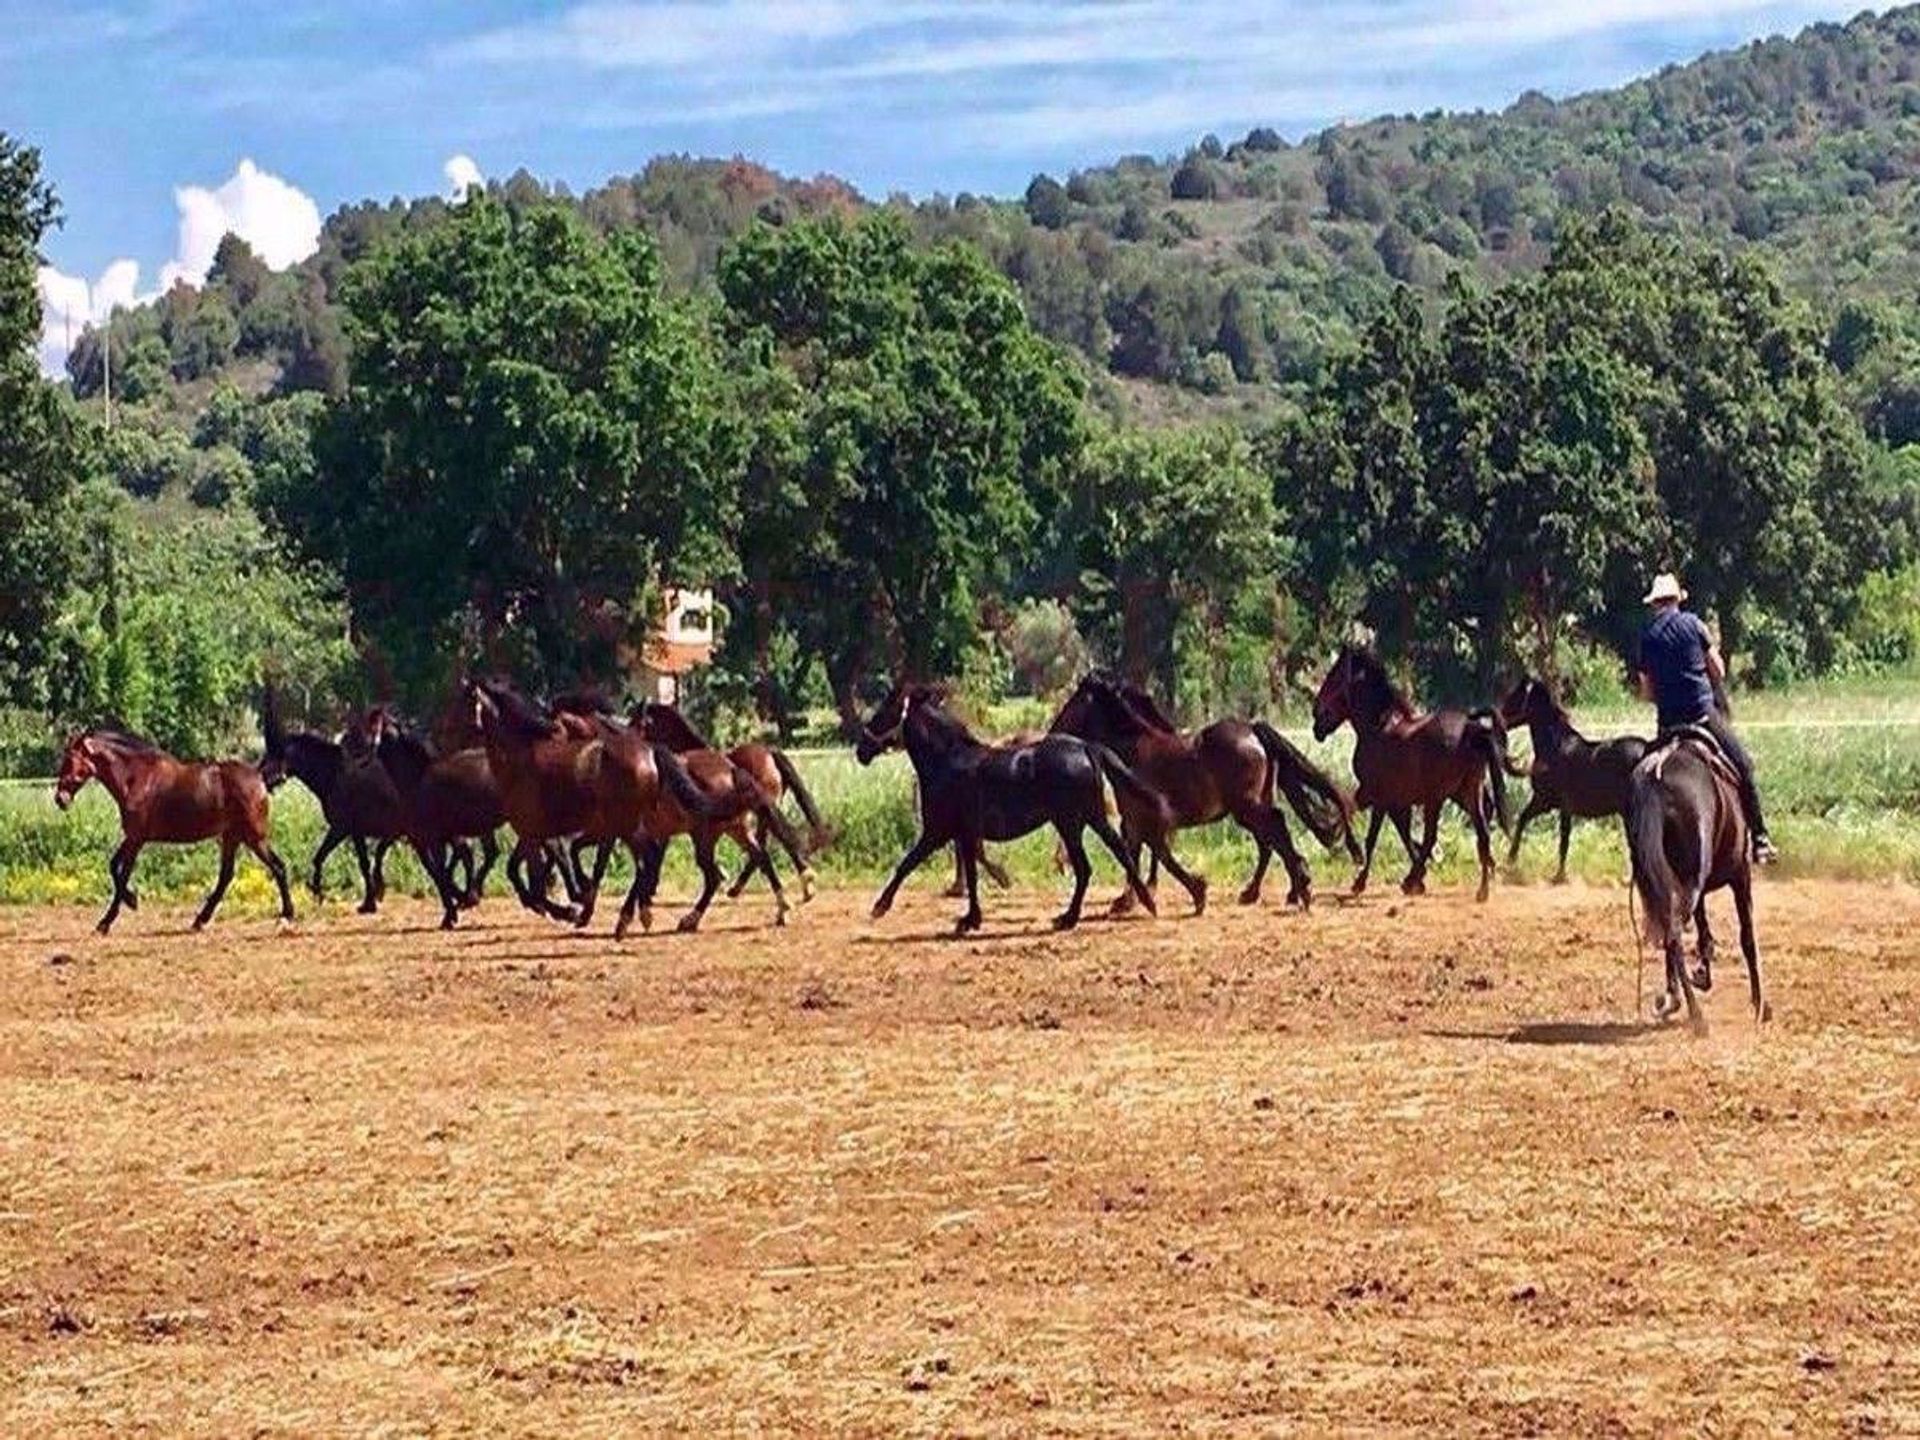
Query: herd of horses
column 572, row 780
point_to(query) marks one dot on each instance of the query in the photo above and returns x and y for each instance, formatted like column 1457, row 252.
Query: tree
column 1171, row 526
column 909, row 431
column 237, row 270
column 44, row 448
column 1048, row 205
column 525, row 451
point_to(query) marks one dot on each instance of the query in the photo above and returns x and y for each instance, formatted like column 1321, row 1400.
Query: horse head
column 1528, row 702
column 1333, row 701
column 77, row 767
column 883, row 728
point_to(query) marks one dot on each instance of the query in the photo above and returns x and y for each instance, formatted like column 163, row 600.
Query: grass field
column 1839, row 766
column 1391, row 1167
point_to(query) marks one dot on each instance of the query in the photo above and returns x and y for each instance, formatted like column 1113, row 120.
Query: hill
column 1238, row 267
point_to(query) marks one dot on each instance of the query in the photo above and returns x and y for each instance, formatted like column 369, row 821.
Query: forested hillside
column 1460, row 379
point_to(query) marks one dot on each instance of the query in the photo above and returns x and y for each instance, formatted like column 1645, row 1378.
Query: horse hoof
column 1702, row 978
column 688, row 924
column 966, row 924
column 132, row 901
column 880, row 909
column 1413, row 887
column 1065, row 922
column 806, row 887
column 103, row 927
column 447, row 921
column 1765, row 1013
column 1303, row 897
column 1122, row 905
column 368, row 907
column 1250, row 895
column 780, row 917
column 1359, row 886
column 199, row 924
column 646, row 918
column 1199, row 897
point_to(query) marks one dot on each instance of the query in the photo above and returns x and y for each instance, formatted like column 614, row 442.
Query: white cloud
column 462, row 175
column 279, row 220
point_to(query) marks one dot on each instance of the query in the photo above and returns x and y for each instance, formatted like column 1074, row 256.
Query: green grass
column 1839, row 767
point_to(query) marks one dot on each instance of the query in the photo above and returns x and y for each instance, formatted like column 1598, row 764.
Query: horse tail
column 822, row 833
column 1126, row 782
column 1653, row 875
column 1491, row 741
column 1309, row 790
column 686, row 790
column 272, row 729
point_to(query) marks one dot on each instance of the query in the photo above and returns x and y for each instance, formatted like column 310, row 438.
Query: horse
column 446, row 801
column 1230, row 767
column 971, row 792
column 356, row 794
column 1687, row 837
column 171, row 802
column 1582, row 778
column 772, row 770
column 591, row 777
column 1403, row 758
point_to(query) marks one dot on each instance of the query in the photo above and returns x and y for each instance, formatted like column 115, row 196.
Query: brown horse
column 1403, row 758
column 1687, row 836
column 1572, row 774
column 446, row 801
column 164, row 801
column 772, row 770
column 1230, row 767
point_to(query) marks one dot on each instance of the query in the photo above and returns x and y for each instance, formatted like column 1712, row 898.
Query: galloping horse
column 1403, row 758
column 772, row 771
column 971, row 792
column 1230, row 767
column 1687, row 836
column 166, row 801
column 356, row 794
column 446, row 801
column 1572, row 774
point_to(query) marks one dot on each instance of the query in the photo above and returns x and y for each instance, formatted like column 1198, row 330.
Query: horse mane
column 1560, row 711
column 523, row 716
column 933, row 705
column 124, row 740
column 588, row 700
column 659, row 716
column 1374, row 670
column 1142, row 706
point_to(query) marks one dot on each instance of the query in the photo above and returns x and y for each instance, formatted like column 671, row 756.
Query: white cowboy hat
column 1665, row 587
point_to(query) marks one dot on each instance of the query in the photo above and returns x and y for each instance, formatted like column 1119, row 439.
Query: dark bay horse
column 1578, row 777
column 1403, row 759
column 448, row 804
column 164, row 801
column 1687, row 836
column 357, row 797
column 772, row 770
column 1230, row 767
column 971, row 792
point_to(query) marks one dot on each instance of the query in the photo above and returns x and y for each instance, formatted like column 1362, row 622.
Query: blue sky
column 144, row 109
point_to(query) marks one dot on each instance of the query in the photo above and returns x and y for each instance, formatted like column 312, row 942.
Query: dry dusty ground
column 1391, row 1165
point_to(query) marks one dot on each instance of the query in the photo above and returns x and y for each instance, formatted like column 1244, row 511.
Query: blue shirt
column 1673, row 655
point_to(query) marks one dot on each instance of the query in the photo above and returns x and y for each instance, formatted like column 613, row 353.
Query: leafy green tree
column 44, row 448
column 526, row 449
column 1169, row 524
column 910, row 430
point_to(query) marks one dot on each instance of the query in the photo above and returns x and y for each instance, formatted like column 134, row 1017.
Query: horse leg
column 1098, row 824
column 277, row 868
column 1483, row 845
column 1566, row 839
column 477, row 880
column 1366, row 862
column 220, row 883
column 1299, row 882
column 759, row 855
column 646, row 876
column 120, row 872
column 1195, row 885
column 1704, row 947
column 1533, row 808
column 996, row 872
column 380, row 849
column 758, row 842
column 970, row 873
column 1076, row 847
column 1416, row 881
column 710, row 878
column 1742, row 887
column 1262, row 856
column 328, row 844
column 440, row 871
column 591, row 891
column 916, row 856
column 368, row 901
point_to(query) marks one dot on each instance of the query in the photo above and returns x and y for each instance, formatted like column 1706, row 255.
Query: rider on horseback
column 1679, row 668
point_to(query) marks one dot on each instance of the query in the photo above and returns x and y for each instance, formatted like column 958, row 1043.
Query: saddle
column 1702, row 742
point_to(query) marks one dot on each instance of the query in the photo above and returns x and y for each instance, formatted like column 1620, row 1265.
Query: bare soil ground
column 1391, row 1165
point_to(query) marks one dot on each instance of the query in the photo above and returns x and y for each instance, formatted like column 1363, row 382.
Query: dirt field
column 1394, row 1164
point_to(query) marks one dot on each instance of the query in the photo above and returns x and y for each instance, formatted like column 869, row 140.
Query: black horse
column 972, row 792
column 1578, row 777
column 447, row 804
column 357, row 797
column 1687, row 836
